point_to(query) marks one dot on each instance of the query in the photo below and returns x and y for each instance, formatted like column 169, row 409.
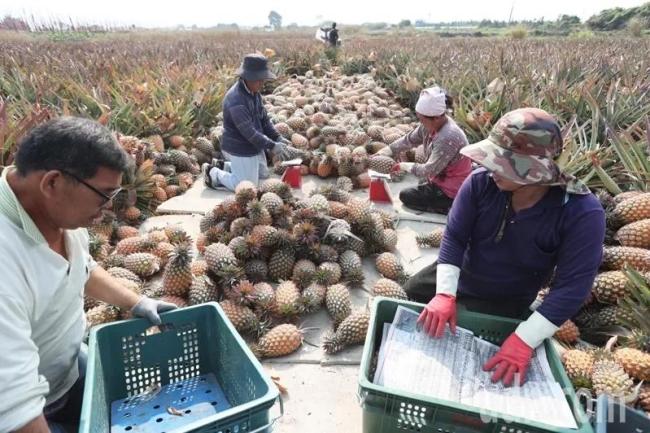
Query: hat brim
column 522, row 169
column 255, row 75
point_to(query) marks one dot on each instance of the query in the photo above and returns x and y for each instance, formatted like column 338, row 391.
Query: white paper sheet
column 450, row 368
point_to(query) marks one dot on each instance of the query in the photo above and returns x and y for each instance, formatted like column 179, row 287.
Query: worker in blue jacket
column 517, row 223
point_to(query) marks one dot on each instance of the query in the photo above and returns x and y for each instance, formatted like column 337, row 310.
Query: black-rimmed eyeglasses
column 106, row 197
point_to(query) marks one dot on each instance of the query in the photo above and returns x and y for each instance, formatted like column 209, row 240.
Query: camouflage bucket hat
column 521, row 147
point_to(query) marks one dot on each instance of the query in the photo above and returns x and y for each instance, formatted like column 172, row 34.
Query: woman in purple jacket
column 516, row 223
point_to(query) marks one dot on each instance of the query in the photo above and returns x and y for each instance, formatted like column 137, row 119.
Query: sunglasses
column 106, row 197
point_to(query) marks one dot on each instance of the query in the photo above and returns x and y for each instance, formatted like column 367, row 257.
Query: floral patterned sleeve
column 410, row 140
column 444, row 150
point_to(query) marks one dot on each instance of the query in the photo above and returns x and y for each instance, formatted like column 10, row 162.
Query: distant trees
column 619, row 18
column 404, row 23
column 275, row 20
column 11, row 23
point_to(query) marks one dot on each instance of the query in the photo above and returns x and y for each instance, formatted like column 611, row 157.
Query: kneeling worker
column 248, row 132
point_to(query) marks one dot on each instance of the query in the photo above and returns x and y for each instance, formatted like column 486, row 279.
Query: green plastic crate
column 387, row 410
column 612, row 416
column 126, row 357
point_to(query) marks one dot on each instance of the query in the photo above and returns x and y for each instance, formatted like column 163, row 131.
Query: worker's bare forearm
column 37, row 425
column 103, row 286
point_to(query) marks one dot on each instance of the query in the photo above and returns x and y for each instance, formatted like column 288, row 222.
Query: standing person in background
column 332, row 35
column 248, row 132
column 445, row 168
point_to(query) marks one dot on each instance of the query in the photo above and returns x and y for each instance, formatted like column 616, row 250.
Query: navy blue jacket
column 563, row 231
column 247, row 129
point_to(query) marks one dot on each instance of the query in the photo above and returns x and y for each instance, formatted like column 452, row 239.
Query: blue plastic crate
column 194, row 373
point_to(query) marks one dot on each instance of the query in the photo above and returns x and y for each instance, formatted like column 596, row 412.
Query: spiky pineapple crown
column 306, row 233
column 181, row 255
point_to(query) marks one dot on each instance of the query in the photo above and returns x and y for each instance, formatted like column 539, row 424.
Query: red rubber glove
column 513, row 357
column 437, row 313
column 395, row 168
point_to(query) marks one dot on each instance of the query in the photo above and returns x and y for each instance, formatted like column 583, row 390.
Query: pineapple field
column 271, row 256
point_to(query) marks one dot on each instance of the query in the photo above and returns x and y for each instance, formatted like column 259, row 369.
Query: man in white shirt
column 67, row 172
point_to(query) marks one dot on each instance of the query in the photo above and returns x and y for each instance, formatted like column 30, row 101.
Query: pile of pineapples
column 312, row 248
column 338, row 123
column 161, row 171
column 619, row 306
column 267, row 257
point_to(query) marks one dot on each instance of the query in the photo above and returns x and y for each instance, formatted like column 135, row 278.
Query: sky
column 166, row 13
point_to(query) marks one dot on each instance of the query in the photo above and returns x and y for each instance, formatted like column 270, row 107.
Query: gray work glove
column 281, row 151
column 149, row 308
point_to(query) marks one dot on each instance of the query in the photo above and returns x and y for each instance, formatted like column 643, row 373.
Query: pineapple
column 610, row 286
column 240, row 226
column 256, row 270
column 381, row 163
column 119, row 272
column 163, row 250
column 306, row 234
column 155, row 236
column 303, row 272
column 240, row 292
column 102, row 313
column 218, row 257
column 263, row 297
column 280, row 341
column 90, row 302
column 242, row 317
column 611, row 379
column 579, row 367
column 389, row 289
column 142, row 264
column 636, row 234
column 610, row 315
column 615, row 258
column 281, row 264
column 199, row 268
column 176, row 300
column 177, row 278
column 331, row 272
column 359, row 210
column 287, row 300
column 176, row 234
column 98, row 247
column 338, row 303
column 272, row 202
column 432, row 239
column 634, row 311
column 313, row 297
column 123, row 232
column 137, row 244
column 389, row 241
column 568, row 332
column 319, row 203
column 325, row 166
column 245, row 192
column 276, row 186
column 352, row 330
column 269, row 235
column 114, row 260
column 258, row 214
column 351, row 267
column 389, row 266
column 106, row 226
column 635, row 362
column 632, row 209
column 338, row 210
column 201, row 291
column 344, row 183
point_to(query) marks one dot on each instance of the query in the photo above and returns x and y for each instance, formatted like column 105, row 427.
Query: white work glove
column 385, row 152
column 534, row 330
column 447, row 279
column 149, row 309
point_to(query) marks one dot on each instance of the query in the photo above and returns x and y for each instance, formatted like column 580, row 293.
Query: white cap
column 431, row 102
